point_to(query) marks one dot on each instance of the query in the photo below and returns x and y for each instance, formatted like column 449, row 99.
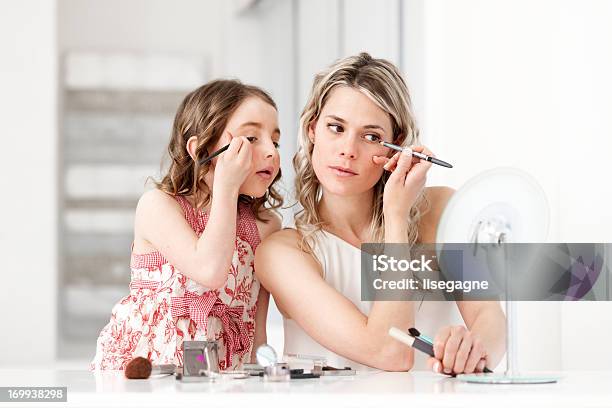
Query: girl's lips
column 343, row 171
column 266, row 173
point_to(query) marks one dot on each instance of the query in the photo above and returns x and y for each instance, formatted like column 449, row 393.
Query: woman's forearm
column 392, row 355
column 389, row 354
column 490, row 327
column 261, row 317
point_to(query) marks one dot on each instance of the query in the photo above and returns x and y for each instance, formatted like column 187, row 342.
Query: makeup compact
column 320, row 367
column 273, row 370
column 200, row 361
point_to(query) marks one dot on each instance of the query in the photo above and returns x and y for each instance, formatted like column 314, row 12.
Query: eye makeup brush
column 417, row 154
column 418, row 341
column 205, row 160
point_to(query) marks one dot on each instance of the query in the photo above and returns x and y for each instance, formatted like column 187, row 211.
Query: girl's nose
column 269, row 149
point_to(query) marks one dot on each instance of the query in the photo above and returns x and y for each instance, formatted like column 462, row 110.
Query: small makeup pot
column 278, row 372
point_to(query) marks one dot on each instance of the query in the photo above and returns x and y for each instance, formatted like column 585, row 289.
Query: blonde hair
column 204, row 113
column 382, row 82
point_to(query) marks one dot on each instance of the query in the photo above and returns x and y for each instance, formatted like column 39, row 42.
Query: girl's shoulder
column 154, row 201
column 150, row 206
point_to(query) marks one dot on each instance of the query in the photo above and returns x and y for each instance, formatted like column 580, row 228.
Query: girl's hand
column 457, row 351
column 408, row 176
column 233, row 166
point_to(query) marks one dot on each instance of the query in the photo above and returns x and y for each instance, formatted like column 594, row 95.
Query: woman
column 353, row 190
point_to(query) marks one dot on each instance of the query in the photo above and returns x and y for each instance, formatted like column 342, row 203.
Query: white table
column 372, row 389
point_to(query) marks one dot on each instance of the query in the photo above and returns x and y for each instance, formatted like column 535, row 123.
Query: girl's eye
column 372, row 138
column 335, row 128
column 276, row 145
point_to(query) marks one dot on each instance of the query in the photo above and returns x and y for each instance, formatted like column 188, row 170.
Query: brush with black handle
column 415, row 340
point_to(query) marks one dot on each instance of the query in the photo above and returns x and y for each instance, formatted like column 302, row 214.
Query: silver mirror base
column 494, row 378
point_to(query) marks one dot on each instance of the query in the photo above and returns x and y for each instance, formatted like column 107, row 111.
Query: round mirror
column 266, row 356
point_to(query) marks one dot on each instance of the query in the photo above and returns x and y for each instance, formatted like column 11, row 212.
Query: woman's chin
column 344, row 189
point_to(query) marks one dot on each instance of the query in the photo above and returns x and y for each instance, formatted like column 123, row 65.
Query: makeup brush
column 417, row 154
column 141, row 368
column 418, row 341
column 221, row 150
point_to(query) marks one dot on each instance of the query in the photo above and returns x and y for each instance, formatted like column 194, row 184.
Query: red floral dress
column 165, row 307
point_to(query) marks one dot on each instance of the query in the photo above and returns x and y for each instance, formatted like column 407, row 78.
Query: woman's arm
column 261, row 316
column 487, row 323
column 272, row 225
column 458, row 349
column 294, row 278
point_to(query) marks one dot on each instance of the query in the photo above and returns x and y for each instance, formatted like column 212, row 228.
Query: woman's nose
column 348, row 147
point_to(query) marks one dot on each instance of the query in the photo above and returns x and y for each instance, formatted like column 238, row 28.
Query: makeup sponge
column 138, row 368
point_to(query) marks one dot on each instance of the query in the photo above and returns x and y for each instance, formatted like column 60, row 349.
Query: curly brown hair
column 204, row 113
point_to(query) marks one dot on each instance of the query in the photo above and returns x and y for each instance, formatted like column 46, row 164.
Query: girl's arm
column 294, row 279
column 160, row 221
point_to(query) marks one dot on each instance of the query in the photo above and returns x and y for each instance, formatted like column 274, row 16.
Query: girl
column 195, row 235
column 353, row 191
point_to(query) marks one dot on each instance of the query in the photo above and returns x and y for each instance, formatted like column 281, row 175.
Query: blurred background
column 88, row 89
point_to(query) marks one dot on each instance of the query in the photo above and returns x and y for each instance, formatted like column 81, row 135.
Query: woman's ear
column 192, row 145
column 311, row 129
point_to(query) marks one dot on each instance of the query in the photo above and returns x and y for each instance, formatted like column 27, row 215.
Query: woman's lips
column 343, row 171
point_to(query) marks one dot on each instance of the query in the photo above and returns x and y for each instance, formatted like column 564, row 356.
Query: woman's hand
column 233, row 166
column 457, row 351
column 407, row 180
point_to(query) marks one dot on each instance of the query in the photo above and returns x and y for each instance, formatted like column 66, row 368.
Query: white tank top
column 341, row 264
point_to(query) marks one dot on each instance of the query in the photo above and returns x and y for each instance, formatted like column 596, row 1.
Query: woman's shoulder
column 437, row 197
column 283, row 237
column 281, row 251
column 285, row 242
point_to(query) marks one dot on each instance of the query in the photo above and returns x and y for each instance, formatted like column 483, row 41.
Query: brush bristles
column 139, row 368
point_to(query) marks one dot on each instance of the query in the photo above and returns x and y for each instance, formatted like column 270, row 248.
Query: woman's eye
column 372, row 138
column 335, row 128
column 276, row 145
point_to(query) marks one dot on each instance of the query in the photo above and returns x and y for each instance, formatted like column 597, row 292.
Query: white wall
column 584, row 62
column 28, row 225
column 526, row 84
column 491, row 101
column 143, row 26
